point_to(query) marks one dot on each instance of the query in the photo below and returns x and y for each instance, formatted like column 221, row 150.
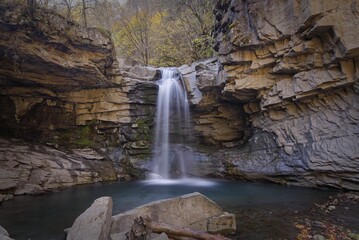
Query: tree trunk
column 31, row 6
column 84, row 12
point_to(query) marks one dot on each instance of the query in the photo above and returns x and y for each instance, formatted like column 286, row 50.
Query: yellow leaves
column 304, row 231
column 157, row 18
column 166, row 35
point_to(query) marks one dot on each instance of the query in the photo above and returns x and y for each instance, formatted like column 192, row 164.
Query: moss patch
column 144, row 129
column 82, row 136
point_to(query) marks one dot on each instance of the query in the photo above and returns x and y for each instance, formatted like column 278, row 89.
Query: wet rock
column 331, row 208
column 5, row 197
column 94, row 223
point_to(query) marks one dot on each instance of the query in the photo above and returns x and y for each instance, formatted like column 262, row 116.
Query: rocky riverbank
column 34, row 169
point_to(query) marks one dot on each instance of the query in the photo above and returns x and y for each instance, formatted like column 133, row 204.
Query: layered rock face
column 56, row 76
column 32, row 169
column 216, row 120
column 62, row 86
column 294, row 67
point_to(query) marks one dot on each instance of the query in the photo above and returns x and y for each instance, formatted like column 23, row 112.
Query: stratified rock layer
column 32, row 169
column 61, row 87
column 295, row 68
column 216, row 120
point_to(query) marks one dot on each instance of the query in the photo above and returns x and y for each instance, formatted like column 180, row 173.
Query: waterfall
column 172, row 127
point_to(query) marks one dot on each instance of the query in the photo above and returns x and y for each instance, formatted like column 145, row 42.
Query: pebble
column 318, row 237
column 331, row 208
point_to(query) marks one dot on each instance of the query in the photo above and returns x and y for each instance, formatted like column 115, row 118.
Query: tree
column 134, row 30
column 31, row 6
column 149, row 32
column 84, row 12
column 169, row 32
column 70, row 6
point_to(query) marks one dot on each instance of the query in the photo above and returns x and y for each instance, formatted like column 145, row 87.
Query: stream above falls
column 262, row 211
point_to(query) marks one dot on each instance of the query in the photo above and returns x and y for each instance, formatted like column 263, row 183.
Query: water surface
column 260, row 208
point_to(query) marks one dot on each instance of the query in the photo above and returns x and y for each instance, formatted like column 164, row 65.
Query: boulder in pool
column 94, row 223
column 193, row 211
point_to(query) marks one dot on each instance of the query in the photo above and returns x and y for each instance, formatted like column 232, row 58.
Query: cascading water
column 172, row 127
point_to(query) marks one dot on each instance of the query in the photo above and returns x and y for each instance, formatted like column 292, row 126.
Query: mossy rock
column 82, row 136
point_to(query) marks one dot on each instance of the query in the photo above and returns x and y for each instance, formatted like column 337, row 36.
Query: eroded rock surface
column 217, row 120
column 294, row 67
column 191, row 210
column 62, row 86
column 33, row 169
column 42, row 44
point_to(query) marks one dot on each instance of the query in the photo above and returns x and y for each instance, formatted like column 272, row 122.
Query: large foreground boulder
column 193, row 211
column 4, row 235
column 94, row 223
column 190, row 215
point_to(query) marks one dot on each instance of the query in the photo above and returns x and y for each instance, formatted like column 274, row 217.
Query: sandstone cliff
column 293, row 67
column 61, row 86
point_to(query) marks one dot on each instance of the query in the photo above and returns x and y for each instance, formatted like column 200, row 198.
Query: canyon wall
column 279, row 102
column 62, row 89
column 293, row 66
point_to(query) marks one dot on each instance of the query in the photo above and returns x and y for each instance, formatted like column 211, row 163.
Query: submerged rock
column 94, row 223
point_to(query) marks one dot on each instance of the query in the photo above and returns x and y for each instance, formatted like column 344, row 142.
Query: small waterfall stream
column 172, row 128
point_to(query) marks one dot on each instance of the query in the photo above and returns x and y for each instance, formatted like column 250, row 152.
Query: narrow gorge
column 278, row 102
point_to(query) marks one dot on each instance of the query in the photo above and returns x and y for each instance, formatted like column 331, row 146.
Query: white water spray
column 172, row 128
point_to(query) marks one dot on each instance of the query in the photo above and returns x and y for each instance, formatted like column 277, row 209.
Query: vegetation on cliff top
column 147, row 32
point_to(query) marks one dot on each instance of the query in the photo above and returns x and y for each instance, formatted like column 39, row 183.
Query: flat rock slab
column 94, row 223
column 192, row 210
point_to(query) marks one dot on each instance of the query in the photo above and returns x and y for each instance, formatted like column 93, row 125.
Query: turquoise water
column 260, row 208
